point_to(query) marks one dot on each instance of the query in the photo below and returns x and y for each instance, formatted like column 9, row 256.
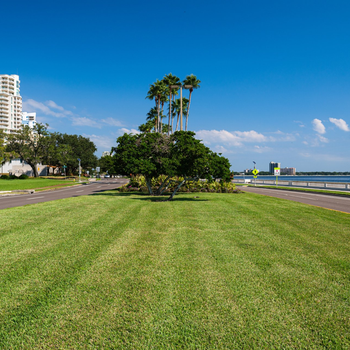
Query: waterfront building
column 288, row 171
column 272, row 166
column 10, row 103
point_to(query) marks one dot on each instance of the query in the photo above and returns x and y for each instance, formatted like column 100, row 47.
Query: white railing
column 310, row 184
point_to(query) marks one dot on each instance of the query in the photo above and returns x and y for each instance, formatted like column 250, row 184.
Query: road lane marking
column 312, row 199
column 28, row 199
column 79, row 191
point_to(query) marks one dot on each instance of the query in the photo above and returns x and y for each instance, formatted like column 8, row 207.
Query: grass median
column 236, row 271
column 34, row 184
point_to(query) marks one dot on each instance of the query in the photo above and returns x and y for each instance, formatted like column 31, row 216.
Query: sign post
column 277, row 172
column 255, row 173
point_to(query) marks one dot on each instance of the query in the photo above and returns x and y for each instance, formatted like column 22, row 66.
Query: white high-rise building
column 10, row 103
column 29, row 119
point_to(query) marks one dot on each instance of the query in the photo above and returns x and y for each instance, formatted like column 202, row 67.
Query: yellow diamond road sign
column 255, row 172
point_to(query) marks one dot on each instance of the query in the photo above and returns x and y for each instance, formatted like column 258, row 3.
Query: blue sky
column 275, row 74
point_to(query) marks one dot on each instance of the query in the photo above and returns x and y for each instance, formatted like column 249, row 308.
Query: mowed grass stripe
column 123, row 286
column 45, row 271
column 224, row 271
column 279, row 266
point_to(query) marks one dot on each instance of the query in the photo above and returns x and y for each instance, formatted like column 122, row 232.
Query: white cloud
column 282, row 137
column 83, row 121
column 261, row 149
column 122, row 131
column 31, row 105
column 235, row 138
column 318, row 126
column 301, row 124
column 221, row 149
column 112, row 122
column 325, row 157
column 102, row 141
column 340, row 123
column 53, row 104
column 322, row 139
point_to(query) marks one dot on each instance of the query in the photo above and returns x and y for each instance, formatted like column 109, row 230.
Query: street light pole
column 79, row 168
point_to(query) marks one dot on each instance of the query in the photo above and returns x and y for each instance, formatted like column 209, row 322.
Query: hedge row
column 13, row 177
column 138, row 183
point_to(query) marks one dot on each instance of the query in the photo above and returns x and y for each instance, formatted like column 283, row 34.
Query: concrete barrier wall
column 308, row 184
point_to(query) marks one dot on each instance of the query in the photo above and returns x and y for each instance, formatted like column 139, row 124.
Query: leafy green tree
column 194, row 83
column 71, row 147
column 4, row 156
column 146, row 154
column 220, row 167
column 30, row 144
column 106, row 164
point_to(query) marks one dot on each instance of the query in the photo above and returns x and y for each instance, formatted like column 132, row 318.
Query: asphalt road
column 67, row 192
column 317, row 199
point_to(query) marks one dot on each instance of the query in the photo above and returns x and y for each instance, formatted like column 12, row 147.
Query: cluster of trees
column 164, row 92
column 38, row 145
column 177, row 155
column 168, row 151
column 323, row 173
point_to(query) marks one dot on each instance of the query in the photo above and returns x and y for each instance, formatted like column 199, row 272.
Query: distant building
column 10, row 103
column 248, row 171
column 272, row 167
column 288, row 171
column 106, row 153
column 29, row 119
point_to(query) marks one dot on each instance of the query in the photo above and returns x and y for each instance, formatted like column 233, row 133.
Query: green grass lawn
column 30, row 184
column 224, row 271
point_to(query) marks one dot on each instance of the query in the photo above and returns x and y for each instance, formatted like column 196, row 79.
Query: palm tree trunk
column 176, row 189
column 172, row 118
column 188, row 109
column 158, row 110
column 177, row 122
column 169, row 114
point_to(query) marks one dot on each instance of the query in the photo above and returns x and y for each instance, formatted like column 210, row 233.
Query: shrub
column 4, row 177
column 24, row 176
column 13, row 177
column 138, row 183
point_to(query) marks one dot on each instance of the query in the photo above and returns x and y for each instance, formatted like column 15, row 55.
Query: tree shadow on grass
column 147, row 197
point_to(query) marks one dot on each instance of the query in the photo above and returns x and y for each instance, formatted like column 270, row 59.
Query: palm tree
column 152, row 116
column 155, row 92
column 163, row 99
column 171, row 80
column 176, row 108
column 194, row 83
